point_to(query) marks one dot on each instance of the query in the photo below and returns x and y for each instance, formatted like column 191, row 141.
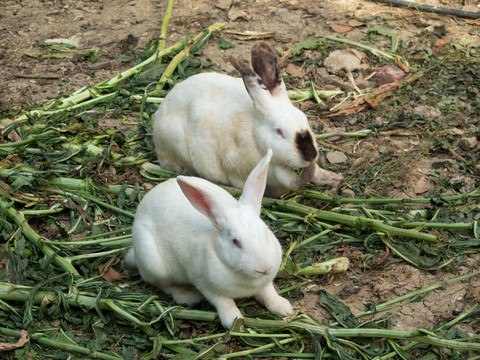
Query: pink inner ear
column 197, row 199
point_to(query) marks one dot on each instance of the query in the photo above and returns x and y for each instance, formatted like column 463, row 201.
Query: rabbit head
column 243, row 241
column 281, row 126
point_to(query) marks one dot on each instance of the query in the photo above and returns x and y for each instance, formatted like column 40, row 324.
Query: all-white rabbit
column 192, row 239
column 218, row 127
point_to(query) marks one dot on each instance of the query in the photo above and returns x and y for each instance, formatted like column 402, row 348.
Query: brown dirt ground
column 104, row 25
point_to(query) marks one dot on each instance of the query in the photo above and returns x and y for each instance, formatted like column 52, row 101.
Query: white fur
column 183, row 243
column 210, row 126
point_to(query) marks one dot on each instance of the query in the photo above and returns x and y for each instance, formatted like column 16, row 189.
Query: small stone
column 378, row 121
column 235, row 13
column 476, row 169
column 429, row 113
column 100, row 65
column 463, row 184
column 337, row 157
column 468, row 143
column 473, row 292
column 348, row 290
column 347, row 60
column 388, row 74
column 423, row 185
column 334, row 130
column 348, row 193
column 224, row 4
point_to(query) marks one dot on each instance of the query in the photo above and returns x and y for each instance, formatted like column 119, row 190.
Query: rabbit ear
column 253, row 82
column 204, row 197
column 255, row 185
column 265, row 73
column 265, row 64
column 265, row 81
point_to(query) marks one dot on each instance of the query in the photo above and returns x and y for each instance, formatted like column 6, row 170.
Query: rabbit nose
column 262, row 268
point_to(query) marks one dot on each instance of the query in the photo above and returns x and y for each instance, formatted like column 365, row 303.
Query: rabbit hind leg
column 325, row 177
column 184, row 294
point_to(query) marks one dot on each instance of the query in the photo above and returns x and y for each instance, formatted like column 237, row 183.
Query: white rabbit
column 192, row 239
column 217, row 127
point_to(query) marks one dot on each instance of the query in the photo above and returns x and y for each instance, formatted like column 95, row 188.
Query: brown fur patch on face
column 305, row 144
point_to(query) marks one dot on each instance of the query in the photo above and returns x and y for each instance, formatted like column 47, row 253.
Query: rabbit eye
column 280, row 132
column 236, row 243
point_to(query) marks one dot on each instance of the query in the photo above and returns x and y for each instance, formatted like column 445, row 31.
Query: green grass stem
column 162, row 38
column 185, row 53
column 40, row 338
column 376, row 52
column 23, row 293
column 312, row 194
column 357, row 222
column 18, row 218
column 307, row 94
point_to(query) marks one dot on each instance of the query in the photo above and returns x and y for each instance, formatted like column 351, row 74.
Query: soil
column 105, row 26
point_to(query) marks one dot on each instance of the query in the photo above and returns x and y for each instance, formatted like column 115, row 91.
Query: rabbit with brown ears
column 218, row 127
column 193, row 240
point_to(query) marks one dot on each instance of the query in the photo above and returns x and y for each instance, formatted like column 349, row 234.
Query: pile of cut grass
column 68, row 199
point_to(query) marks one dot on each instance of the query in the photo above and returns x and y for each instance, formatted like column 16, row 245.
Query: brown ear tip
column 262, row 44
column 262, row 47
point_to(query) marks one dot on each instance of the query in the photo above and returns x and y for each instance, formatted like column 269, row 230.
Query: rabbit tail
column 130, row 258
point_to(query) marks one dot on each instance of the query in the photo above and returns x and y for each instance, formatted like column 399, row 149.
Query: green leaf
column 224, row 44
column 309, row 44
column 338, row 310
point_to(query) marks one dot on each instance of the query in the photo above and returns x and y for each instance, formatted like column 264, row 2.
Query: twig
column 435, row 9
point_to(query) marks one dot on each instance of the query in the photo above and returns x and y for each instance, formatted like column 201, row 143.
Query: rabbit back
column 202, row 124
column 218, row 127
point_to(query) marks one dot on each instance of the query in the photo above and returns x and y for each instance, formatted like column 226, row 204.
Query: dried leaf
column 388, row 74
column 452, row 131
column 473, row 22
column 111, row 274
column 355, row 23
column 251, row 35
column 294, row 70
column 12, row 346
column 341, row 29
column 438, row 45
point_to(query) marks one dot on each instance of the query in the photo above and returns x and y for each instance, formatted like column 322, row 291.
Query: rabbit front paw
column 228, row 316
column 273, row 302
column 280, row 306
column 227, row 310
